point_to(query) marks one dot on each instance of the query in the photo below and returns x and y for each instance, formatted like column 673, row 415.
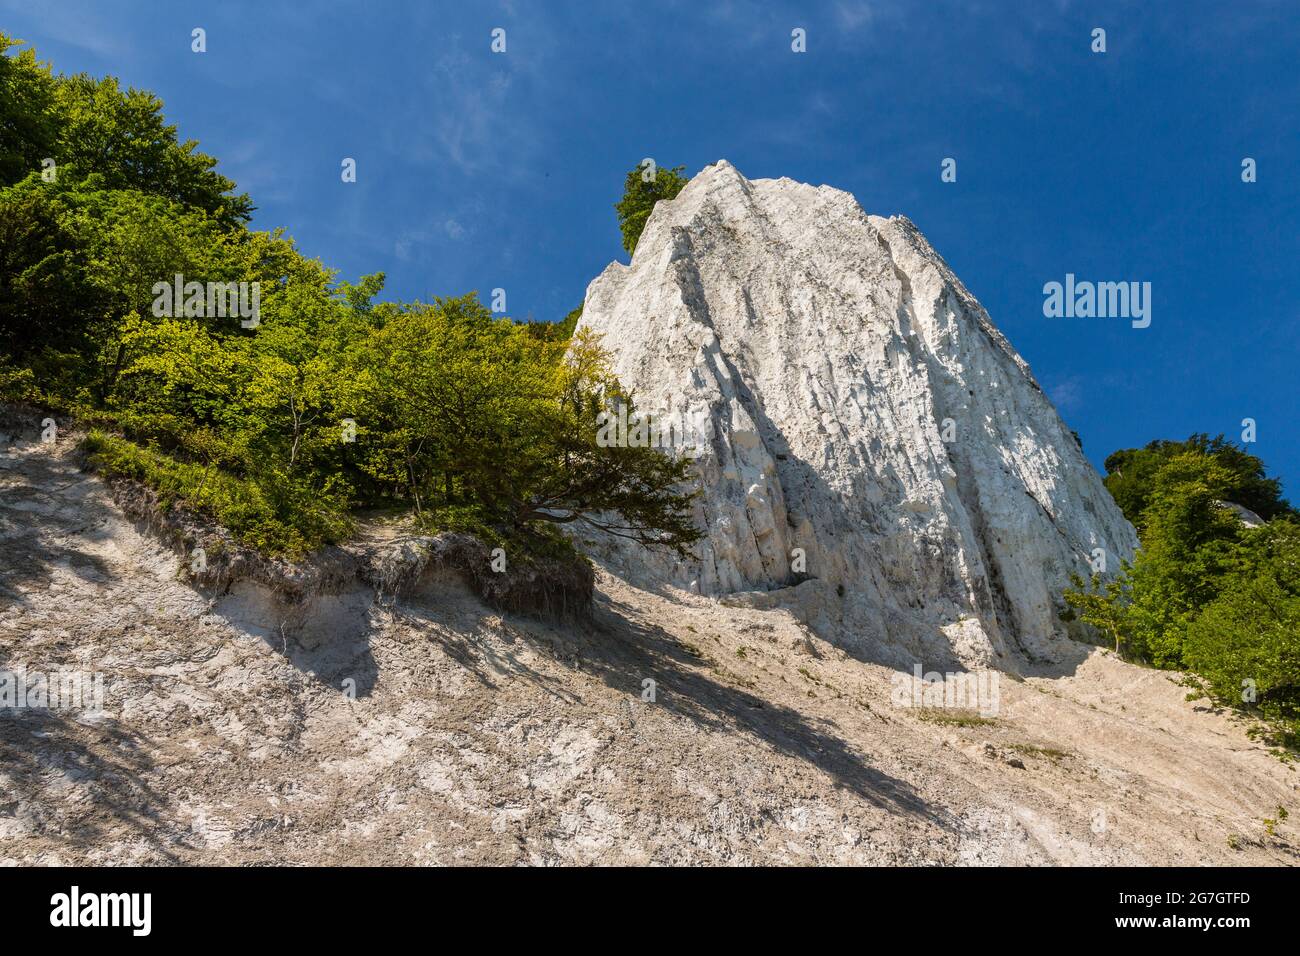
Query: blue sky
column 479, row 170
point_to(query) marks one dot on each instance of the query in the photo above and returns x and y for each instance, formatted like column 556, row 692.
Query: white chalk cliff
column 858, row 404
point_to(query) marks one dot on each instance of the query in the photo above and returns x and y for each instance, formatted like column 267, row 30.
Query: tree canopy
column 329, row 401
column 640, row 193
column 1205, row 593
column 1130, row 473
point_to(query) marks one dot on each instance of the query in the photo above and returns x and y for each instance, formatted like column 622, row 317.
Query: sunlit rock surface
column 870, row 446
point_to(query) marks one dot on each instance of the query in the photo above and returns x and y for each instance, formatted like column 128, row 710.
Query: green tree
column 446, row 388
column 1102, row 605
column 1187, row 540
column 121, row 135
column 477, row 422
column 633, row 492
column 81, row 258
column 47, row 295
column 1205, row 594
column 1245, row 645
column 639, row 197
column 92, row 126
column 569, row 325
column 29, row 119
column 1130, row 472
column 466, row 411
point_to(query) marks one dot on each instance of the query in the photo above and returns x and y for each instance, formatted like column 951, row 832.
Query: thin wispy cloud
column 1068, row 394
column 853, row 16
column 86, row 26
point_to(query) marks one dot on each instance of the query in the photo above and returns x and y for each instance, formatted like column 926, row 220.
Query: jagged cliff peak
column 872, row 451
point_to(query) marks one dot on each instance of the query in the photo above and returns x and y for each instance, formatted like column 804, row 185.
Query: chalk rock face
column 872, row 452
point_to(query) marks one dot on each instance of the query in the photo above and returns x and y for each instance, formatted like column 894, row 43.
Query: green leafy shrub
column 639, row 197
column 1131, row 472
column 1244, row 646
column 1206, row 594
column 331, row 401
column 276, row 516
